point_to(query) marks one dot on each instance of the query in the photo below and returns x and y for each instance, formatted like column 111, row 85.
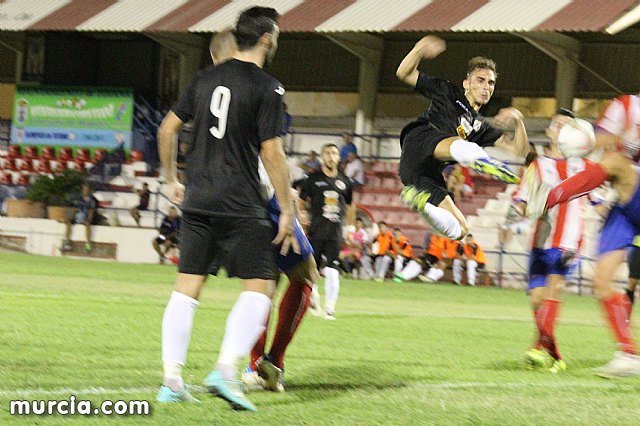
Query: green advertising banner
column 72, row 117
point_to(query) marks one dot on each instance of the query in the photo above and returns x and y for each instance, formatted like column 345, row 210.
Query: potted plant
column 57, row 192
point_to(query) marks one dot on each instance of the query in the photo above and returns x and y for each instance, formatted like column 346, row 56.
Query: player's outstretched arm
column 426, row 48
column 167, row 145
column 519, row 145
column 273, row 158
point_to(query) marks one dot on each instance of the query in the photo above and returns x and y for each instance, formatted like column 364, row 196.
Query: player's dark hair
column 469, row 235
column 252, row 24
column 329, row 145
column 566, row 112
column 481, row 63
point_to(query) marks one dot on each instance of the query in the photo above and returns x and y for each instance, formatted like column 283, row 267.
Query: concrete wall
column 45, row 236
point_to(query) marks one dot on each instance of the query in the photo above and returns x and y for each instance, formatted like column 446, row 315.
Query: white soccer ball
column 576, row 138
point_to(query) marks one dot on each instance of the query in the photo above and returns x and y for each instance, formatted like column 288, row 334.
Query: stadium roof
column 324, row 15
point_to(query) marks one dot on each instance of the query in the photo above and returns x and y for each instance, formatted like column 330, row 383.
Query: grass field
column 398, row 353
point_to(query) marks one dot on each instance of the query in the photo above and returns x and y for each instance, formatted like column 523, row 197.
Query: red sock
column 293, row 306
column 258, row 349
column 578, row 185
column 545, row 320
column 618, row 318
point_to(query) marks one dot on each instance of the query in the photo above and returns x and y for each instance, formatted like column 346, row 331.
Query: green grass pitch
column 398, row 353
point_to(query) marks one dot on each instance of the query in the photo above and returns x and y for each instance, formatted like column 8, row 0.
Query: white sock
column 412, row 270
column 435, row 274
column 365, row 261
column 176, row 333
column 442, row 221
column 378, row 266
column 331, row 288
column 384, row 266
column 457, row 271
column 245, row 324
column 465, row 152
column 471, row 271
column 398, row 264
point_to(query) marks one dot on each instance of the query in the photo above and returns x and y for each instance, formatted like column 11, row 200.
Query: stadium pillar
column 566, row 52
column 15, row 41
column 369, row 50
column 189, row 47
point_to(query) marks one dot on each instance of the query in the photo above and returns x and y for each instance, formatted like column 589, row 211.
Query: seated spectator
column 402, row 249
column 354, row 248
column 435, row 259
column 143, row 204
column 455, row 182
column 311, row 164
column 354, row 169
column 472, row 256
column 169, row 234
column 85, row 212
column 347, row 147
column 382, row 254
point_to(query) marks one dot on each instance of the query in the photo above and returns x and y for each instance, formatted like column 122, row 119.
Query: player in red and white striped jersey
column 617, row 133
column 556, row 238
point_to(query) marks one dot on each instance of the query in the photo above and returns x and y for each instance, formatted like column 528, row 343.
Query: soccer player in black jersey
column 451, row 130
column 329, row 195
column 237, row 116
column 266, row 369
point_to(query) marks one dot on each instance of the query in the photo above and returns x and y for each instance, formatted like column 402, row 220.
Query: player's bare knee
column 442, row 151
column 266, row 287
column 190, row 284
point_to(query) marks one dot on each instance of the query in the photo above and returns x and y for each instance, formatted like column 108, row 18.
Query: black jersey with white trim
column 450, row 112
column 234, row 106
column 328, row 197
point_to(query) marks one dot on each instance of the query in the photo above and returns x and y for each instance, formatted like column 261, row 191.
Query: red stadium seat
column 48, row 153
column 75, row 165
column 31, row 152
column 82, row 154
column 26, row 166
column 8, row 163
column 65, row 153
column 23, row 179
column 15, row 151
column 99, row 154
column 58, row 166
column 44, row 166
column 6, row 178
column 135, row 156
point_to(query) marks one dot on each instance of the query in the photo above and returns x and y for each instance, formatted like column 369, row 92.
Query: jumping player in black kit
column 237, row 117
column 451, row 130
column 329, row 194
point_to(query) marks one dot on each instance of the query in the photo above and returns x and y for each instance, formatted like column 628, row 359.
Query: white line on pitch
column 23, row 393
